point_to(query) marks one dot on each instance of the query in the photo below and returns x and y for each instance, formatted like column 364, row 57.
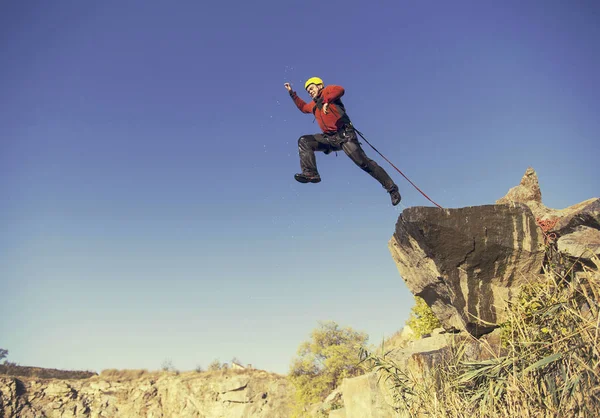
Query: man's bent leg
column 307, row 145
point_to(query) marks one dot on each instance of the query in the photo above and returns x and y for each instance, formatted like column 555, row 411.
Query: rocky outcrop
column 465, row 262
column 187, row 395
column 576, row 229
column 528, row 191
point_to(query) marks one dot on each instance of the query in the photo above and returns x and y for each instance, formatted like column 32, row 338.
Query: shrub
column 215, row 365
column 330, row 356
column 422, row 320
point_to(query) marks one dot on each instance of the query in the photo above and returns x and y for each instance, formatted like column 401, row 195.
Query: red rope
column 362, row 136
column 546, row 225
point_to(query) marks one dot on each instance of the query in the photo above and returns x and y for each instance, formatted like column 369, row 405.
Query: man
column 338, row 134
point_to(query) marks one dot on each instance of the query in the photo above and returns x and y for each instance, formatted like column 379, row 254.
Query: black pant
column 347, row 141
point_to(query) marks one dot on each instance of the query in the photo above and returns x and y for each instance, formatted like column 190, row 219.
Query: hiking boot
column 395, row 195
column 307, row 178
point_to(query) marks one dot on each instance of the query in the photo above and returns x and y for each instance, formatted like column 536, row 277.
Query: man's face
column 314, row 90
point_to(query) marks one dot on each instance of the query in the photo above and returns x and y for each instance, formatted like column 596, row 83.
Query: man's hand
column 325, row 106
column 288, row 86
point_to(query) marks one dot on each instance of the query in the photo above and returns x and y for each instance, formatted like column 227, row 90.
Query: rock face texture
column 464, row 262
column 162, row 395
column 467, row 263
column 527, row 191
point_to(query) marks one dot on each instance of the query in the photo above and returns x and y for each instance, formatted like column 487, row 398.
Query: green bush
column 331, row 355
column 422, row 320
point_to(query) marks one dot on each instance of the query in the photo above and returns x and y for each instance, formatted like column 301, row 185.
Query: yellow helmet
column 312, row 80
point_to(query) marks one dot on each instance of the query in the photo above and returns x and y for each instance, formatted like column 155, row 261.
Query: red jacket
column 336, row 117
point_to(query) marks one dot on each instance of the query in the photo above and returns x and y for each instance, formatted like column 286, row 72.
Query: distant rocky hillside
column 132, row 394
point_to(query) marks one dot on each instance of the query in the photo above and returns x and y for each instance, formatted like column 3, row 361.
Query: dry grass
column 128, row 374
column 550, row 362
column 114, row 374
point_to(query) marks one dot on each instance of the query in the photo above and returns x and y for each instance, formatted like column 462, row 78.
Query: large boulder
column 467, row 262
column 364, row 397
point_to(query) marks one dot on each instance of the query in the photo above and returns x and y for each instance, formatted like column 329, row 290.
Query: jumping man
column 338, row 134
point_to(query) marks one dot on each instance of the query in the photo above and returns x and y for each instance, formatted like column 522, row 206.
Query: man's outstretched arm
column 301, row 104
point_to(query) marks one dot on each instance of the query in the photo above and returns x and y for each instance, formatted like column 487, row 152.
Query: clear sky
column 147, row 150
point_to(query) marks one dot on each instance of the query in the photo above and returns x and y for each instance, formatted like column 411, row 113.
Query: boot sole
column 305, row 180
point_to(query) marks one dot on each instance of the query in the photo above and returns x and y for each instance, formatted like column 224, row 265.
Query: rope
column 362, row 136
column 546, row 225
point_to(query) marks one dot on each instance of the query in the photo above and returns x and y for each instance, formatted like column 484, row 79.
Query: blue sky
column 147, row 153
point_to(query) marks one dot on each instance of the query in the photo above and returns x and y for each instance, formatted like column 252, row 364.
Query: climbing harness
column 363, row 137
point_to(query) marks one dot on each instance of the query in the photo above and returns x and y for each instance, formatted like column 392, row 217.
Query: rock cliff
column 467, row 263
column 464, row 262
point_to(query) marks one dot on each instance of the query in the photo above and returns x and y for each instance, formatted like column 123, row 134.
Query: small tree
column 422, row 320
column 214, row 365
column 331, row 355
column 3, row 353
